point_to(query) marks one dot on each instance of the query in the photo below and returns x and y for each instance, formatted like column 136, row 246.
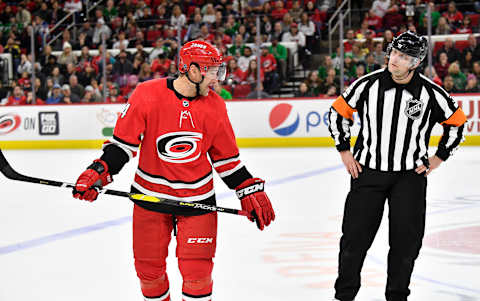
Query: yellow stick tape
column 242, row 142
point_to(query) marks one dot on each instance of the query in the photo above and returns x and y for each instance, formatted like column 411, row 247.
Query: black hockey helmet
column 411, row 44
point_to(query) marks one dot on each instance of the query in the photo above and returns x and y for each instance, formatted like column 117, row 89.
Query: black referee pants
column 406, row 194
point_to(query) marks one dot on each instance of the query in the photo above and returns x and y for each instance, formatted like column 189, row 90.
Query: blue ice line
column 119, row 221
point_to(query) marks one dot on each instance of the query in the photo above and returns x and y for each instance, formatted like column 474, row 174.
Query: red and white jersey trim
column 187, row 298
column 173, row 185
column 161, row 298
column 226, row 161
column 228, row 166
column 194, row 198
column 130, row 150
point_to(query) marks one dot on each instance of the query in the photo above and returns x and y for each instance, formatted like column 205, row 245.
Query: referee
column 398, row 108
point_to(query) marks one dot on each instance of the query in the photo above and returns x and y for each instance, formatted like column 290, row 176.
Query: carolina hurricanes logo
column 9, row 123
column 179, row 147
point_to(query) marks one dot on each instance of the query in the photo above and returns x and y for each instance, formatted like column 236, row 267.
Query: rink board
column 265, row 123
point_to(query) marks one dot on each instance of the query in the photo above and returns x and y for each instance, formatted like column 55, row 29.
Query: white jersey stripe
column 189, row 199
column 161, row 298
column 165, row 182
column 223, row 162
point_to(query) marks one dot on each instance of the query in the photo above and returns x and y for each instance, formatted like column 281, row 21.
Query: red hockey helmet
column 208, row 58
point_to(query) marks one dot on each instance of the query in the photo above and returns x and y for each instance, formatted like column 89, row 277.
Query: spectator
column 434, row 13
column 193, row 31
column 244, row 60
column 160, row 65
column 56, row 14
column 75, row 87
column 315, row 14
column 99, row 30
column 88, row 31
column 387, row 39
column 209, row 16
column 137, row 63
column 67, row 56
column 359, row 72
column 90, row 96
column 308, row 28
column 3, row 94
column 472, row 84
column 357, row 54
column 362, row 31
column 459, row 78
column 235, row 75
column 86, row 75
column 24, row 81
column 40, row 90
column 125, row 7
column 266, row 26
column 453, row 16
column 122, row 42
column 68, row 96
column 251, row 74
column 303, row 91
column 369, row 45
column 61, row 42
column 172, row 70
column 14, row 50
column 17, row 98
column 380, row 7
column 326, row 64
column 56, row 96
column 348, row 44
column 280, row 53
column 57, row 77
column 442, row 28
column 222, row 91
column 279, row 11
column 442, row 66
column 393, row 17
column 313, row 82
column 277, row 31
column 449, row 48
column 287, row 21
column 114, row 96
column 257, row 92
column 145, row 73
column 158, row 50
column 23, row 16
column 331, row 91
column 371, row 65
column 298, row 38
column 178, row 19
column 473, row 47
column 25, row 65
column 6, row 14
column 465, row 26
column 72, row 6
column 330, row 80
column 269, row 66
column 350, row 68
column 256, row 6
column 231, row 27
column 448, row 85
column 466, row 62
column 296, row 11
column 38, row 100
column 374, row 22
column 110, row 11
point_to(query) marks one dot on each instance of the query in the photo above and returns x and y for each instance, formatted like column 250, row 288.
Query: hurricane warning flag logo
column 9, row 123
column 283, row 119
column 179, row 147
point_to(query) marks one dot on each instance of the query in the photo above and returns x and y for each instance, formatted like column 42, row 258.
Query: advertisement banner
column 283, row 122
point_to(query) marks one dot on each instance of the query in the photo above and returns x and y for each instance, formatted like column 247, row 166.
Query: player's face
column 399, row 63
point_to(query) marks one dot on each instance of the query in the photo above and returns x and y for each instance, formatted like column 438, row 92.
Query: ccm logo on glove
column 200, row 240
column 249, row 190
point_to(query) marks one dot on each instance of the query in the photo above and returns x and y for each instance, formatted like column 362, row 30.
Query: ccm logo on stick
column 200, row 240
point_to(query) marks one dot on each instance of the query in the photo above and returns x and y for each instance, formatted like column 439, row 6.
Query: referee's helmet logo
column 414, row 108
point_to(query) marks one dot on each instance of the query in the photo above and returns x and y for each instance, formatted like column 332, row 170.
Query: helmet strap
column 197, row 85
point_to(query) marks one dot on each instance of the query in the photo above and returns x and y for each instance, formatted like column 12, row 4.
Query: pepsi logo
column 9, row 123
column 283, row 119
column 179, row 147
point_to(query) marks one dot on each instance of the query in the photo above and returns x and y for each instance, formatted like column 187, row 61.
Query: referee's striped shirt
column 396, row 121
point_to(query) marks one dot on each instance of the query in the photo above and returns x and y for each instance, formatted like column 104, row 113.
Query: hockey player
column 182, row 125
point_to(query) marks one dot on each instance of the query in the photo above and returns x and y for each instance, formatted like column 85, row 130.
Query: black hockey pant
column 406, row 194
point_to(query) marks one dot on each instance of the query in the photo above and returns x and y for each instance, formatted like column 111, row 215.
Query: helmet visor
column 217, row 72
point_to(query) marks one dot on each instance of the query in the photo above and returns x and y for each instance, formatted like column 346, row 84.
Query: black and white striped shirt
column 396, row 121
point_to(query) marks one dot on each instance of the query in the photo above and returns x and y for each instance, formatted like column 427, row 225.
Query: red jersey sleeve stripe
column 226, row 161
column 230, row 171
column 228, row 166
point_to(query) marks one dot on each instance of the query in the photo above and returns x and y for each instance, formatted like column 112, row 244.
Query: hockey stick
column 11, row 174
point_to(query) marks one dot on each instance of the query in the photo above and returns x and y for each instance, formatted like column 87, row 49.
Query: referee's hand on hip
column 353, row 167
column 433, row 163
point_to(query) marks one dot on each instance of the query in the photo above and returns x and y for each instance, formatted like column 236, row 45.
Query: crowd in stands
column 67, row 71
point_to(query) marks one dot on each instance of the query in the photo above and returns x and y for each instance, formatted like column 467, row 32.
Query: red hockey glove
column 256, row 202
column 95, row 177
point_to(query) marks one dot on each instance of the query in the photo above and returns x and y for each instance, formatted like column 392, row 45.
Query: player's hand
column 353, row 167
column 433, row 163
column 255, row 201
column 96, row 176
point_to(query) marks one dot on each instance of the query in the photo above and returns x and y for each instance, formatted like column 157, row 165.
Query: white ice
column 56, row 248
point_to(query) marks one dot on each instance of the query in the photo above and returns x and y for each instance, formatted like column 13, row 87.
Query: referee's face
column 399, row 63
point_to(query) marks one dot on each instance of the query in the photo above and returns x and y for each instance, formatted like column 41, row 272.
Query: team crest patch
column 414, row 108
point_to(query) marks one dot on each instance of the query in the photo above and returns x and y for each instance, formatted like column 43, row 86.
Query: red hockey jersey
column 181, row 139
